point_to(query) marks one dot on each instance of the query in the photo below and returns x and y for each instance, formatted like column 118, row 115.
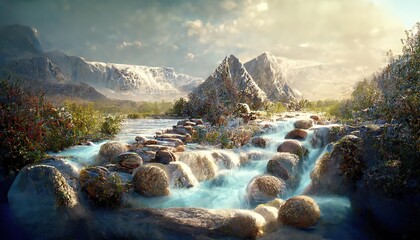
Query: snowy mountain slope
column 123, row 81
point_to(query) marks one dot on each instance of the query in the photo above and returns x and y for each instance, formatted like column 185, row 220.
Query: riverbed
column 228, row 189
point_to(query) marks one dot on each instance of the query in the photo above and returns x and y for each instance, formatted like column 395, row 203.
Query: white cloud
column 189, row 57
column 134, row 44
column 261, row 7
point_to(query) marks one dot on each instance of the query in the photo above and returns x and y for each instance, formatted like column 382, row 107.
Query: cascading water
column 227, row 189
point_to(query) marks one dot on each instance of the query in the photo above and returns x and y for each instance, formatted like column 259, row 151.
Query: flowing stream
column 228, row 189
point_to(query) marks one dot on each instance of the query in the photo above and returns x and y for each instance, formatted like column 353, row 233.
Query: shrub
column 179, row 107
column 29, row 126
column 111, row 124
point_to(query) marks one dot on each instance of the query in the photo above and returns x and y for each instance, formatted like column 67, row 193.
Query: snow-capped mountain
column 229, row 84
column 270, row 73
column 123, row 81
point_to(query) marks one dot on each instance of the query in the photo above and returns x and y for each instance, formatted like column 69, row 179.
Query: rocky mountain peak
column 229, row 85
column 268, row 72
column 17, row 42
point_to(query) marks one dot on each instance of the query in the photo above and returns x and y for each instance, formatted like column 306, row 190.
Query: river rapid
column 228, row 189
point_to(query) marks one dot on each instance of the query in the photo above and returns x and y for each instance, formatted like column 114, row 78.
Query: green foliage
column 30, row 126
column 111, row 124
column 275, row 108
column 86, row 119
column 179, row 107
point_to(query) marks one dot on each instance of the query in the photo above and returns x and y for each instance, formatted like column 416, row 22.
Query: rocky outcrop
column 229, row 85
column 339, row 171
column 17, row 42
column 185, row 223
column 104, row 188
column 267, row 72
column 151, row 181
column 265, row 188
column 299, row 211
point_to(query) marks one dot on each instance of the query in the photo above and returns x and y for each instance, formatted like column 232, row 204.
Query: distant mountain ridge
column 21, row 56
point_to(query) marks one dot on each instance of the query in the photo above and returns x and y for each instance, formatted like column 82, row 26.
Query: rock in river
column 299, row 211
column 151, row 181
column 265, row 188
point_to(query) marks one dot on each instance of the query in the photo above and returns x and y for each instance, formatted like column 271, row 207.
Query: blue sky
column 407, row 11
column 193, row 36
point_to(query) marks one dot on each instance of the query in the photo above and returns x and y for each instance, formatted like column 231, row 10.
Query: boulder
column 41, row 200
column 292, row 146
column 146, row 155
column 68, row 169
column 109, row 152
column 338, row 172
column 151, row 181
column 181, row 175
column 304, row 123
column 104, row 188
column 265, row 188
column 201, row 164
column 314, row 117
column 140, row 139
column 44, row 185
column 151, row 142
column 164, row 157
column 259, row 142
column 130, row 160
column 187, row 223
column 286, row 167
column 297, row 134
column 299, row 211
